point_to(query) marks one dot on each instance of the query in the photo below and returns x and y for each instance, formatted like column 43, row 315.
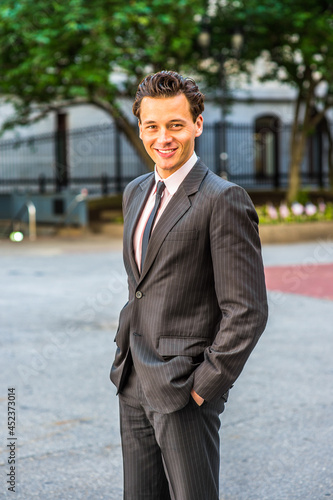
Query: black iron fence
column 102, row 160
column 260, row 158
column 97, row 158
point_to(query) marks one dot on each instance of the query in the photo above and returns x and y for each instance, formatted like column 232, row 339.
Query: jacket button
column 139, row 294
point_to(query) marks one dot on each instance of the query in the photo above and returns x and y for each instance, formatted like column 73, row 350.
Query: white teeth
column 166, row 151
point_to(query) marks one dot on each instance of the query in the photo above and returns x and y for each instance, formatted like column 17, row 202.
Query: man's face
column 168, row 132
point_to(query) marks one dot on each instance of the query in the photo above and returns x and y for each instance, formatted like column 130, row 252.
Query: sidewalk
column 60, row 302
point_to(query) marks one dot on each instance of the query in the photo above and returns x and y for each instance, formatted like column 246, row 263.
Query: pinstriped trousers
column 171, row 456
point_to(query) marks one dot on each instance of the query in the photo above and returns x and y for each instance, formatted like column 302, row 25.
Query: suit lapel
column 176, row 208
column 134, row 215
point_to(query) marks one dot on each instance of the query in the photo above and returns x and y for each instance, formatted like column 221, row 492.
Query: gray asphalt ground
column 59, row 307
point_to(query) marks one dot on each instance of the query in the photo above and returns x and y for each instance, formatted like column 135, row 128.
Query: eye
column 176, row 125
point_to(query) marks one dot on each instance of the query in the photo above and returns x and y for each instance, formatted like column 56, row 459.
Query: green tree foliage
column 55, row 54
column 296, row 39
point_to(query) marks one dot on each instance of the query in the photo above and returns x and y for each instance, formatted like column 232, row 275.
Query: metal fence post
column 104, row 184
column 42, row 184
column 61, row 165
column 277, row 160
column 118, row 159
column 320, row 134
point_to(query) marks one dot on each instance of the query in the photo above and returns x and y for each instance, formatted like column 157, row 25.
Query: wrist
column 198, row 399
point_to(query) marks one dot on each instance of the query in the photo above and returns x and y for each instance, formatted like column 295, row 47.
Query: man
column 196, row 306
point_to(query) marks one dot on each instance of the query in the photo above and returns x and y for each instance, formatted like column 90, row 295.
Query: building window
column 267, row 147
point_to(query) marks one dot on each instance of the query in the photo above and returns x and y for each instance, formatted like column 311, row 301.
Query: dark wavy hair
column 170, row 84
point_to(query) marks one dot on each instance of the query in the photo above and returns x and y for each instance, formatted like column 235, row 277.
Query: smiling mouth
column 165, row 151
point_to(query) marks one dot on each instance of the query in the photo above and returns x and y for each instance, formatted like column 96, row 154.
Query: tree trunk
column 295, row 163
column 131, row 133
column 129, row 130
column 298, row 140
column 297, row 150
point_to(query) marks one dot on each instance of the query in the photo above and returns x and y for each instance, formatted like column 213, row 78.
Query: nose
column 164, row 136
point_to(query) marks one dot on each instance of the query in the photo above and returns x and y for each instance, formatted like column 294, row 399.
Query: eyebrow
column 178, row 120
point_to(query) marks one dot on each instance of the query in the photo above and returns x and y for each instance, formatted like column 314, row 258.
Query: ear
column 199, row 126
column 140, row 129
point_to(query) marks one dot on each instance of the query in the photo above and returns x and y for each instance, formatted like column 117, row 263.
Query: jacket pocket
column 182, row 346
column 120, row 320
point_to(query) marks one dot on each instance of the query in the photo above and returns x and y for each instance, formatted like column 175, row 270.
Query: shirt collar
column 173, row 182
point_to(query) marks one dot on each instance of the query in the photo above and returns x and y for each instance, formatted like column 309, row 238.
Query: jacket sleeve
column 240, row 290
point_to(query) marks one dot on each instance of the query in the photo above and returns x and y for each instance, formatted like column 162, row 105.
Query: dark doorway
column 267, row 149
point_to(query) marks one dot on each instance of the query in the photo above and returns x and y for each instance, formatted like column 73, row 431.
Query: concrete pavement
column 59, row 307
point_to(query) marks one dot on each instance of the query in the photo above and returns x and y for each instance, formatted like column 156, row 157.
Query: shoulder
column 226, row 200
column 136, row 182
column 218, row 188
column 131, row 188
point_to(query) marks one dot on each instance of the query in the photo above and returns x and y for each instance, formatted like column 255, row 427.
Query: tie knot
column 160, row 188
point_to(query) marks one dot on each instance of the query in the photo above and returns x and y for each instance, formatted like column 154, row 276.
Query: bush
column 297, row 212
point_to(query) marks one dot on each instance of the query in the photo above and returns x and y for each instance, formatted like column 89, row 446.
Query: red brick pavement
column 310, row 280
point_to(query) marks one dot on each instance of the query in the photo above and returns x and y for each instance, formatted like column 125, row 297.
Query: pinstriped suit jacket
column 199, row 306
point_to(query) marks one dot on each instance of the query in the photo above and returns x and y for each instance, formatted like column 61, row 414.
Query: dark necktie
column 150, row 221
